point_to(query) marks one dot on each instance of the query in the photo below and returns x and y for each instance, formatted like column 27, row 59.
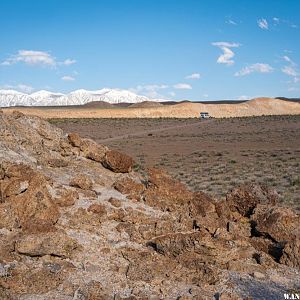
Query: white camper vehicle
column 204, row 115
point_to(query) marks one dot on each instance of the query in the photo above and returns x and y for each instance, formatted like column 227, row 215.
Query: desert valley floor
column 211, row 155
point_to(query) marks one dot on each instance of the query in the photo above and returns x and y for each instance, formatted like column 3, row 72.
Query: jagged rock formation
column 77, row 223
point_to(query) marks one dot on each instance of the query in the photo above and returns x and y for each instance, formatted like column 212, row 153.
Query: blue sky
column 184, row 49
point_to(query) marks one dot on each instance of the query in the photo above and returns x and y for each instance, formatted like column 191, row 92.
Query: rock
column 82, row 181
column 118, row 162
column 97, row 209
column 203, row 205
column 262, row 244
column 117, row 215
column 74, row 139
column 56, row 162
column 166, row 193
column 115, row 202
column 95, row 291
column 281, row 224
column 92, row 150
column 258, row 275
column 67, row 198
column 8, row 217
column 2, row 173
column 224, row 212
column 202, row 247
column 84, row 220
column 89, row 148
column 245, row 198
column 228, row 295
column 30, row 280
column 15, row 187
column 51, row 243
column 291, row 254
column 239, row 230
column 34, row 208
column 130, row 188
column 21, row 171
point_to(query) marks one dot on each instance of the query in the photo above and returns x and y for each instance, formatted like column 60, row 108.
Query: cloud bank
column 258, row 68
column 36, row 58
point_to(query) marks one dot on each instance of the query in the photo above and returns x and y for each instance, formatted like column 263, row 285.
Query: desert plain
column 212, row 155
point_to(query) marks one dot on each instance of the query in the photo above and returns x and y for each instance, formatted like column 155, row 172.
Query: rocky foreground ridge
column 77, row 223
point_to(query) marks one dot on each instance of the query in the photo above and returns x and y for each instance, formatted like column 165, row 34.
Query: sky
column 183, row 49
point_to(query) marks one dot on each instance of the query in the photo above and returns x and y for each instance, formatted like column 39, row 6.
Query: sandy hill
column 146, row 104
column 77, row 223
column 255, row 107
column 98, row 104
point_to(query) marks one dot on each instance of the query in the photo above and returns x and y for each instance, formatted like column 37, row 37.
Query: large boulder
column 281, row 224
column 118, row 162
column 27, row 193
column 88, row 148
column 244, row 199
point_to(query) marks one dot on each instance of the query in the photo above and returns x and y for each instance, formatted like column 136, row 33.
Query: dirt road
column 149, row 132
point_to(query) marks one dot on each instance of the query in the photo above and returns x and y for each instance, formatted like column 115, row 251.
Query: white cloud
column 25, row 88
column 258, row 67
column 69, row 61
column 286, row 58
column 35, row 58
column 230, row 22
column 293, row 89
column 277, row 21
column 150, row 90
column 289, row 70
column 68, row 78
column 193, row 76
column 228, row 54
column 172, row 94
column 30, row 57
column 182, row 86
column 243, row 97
column 20, row 87
column 263, row 24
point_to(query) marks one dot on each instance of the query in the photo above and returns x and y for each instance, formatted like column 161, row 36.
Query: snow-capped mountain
column 14, row 98
column 45, row 96
column 79, row 97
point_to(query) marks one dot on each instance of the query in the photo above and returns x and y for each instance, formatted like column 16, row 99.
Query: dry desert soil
column 211, row 155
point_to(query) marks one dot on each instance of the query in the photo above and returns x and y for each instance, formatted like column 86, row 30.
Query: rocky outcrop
column 77, row 223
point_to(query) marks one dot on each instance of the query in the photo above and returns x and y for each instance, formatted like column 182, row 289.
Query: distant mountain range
column 9, row 98
column 45, row 98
